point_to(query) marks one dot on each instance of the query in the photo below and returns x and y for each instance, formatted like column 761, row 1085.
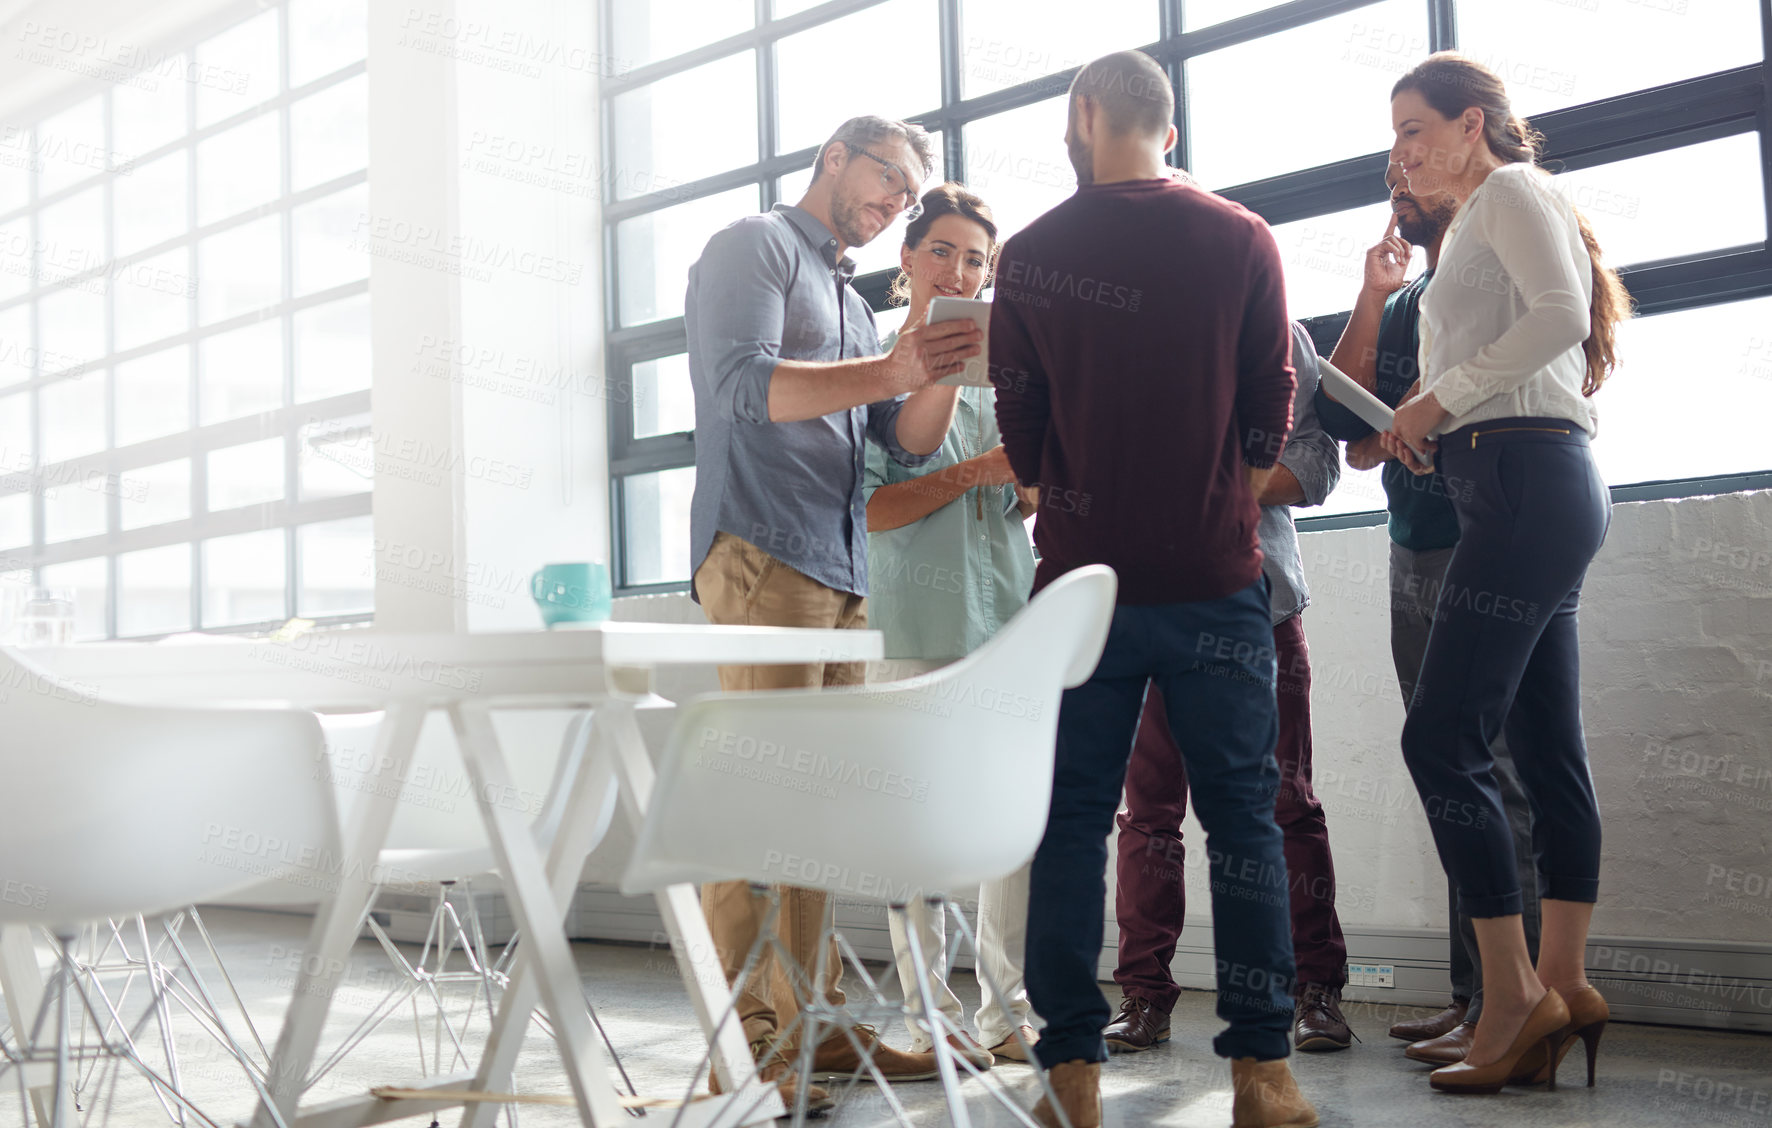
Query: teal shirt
column 941, row 586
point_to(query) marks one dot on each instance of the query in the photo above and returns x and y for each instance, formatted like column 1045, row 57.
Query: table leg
column 703, row 975
column 21, row 981
column 581, row 828
column 537, row 915
column 328, row 949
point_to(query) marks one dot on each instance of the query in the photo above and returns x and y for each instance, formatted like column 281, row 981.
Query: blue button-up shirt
column 769, row 288
column 1315, row 461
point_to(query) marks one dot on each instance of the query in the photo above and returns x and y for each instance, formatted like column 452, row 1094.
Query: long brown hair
column 946, row 199
column 1452, row 84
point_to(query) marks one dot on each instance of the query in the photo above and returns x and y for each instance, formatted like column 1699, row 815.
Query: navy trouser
column 1213, row 661
column 1503, row 654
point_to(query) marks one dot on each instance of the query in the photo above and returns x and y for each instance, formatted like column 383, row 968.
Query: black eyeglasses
column 897, row 183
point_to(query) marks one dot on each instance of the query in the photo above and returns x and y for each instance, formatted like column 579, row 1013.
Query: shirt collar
column 820, row 237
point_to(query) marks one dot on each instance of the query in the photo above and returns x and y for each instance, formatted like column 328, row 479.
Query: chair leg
column 967, row 936
column 944, row 1050
column 58, row 1114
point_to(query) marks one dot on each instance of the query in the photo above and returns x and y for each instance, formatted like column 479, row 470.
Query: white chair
column 118, row 810
column 891, row 791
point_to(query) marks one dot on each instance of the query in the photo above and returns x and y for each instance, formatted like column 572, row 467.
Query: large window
column 1654, row 113
column 184, row 323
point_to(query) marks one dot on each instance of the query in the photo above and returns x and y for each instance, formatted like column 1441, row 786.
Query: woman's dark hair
column 946, row 199
column 1452, row 84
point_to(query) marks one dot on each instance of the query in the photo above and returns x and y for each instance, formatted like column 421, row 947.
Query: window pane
column 332, row 349
column 656, row 508
column 71, row 327
column 154, row 495
column 153, row 298
column 1196, row 14
column 327, row 252
column 1009, row 42
column 15, row 169
column 1642, row 209
column 243, row 578
column 324, row 36
column 1018, row 164
column 646, row 30
column 241, row 372
column 73, row 417
column 71, row 236
column 664, row 403
column 239, row 169
column 237, row 69
column 148, row 204
column 329, row 133
column 74, row 508
column 148, row 111
column 337, row 568
column 1658, row 410
column 889, row 66
column 15, row 432
column 70, row 146
column 15, row 520
column 1324, row 258
column 662, row 137
column 1583, row 52
column 248, row 474
column 16, row 253
column 16, row 354
column 153, row 395
column 654, row 251
column 89, row 580
column 1352, row 59
column 335, row 458
column 154, row 591
column 239, row 270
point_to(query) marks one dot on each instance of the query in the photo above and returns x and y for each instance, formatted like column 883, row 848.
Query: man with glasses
column 789, row 386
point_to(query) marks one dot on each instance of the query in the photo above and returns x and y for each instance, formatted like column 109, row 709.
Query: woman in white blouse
column 1517, row 333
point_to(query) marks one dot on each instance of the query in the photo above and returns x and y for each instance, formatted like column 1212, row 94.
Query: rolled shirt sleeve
column 1310, row 452
column 883, row 430
column 740, row 332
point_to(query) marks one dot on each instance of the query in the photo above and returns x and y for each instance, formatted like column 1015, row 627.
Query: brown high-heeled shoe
column 1588, row 1015
column 1533, row 1047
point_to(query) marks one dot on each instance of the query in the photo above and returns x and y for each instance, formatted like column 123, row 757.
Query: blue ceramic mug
column 572, row 593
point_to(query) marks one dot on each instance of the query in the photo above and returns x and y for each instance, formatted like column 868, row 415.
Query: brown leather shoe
column 1264, row 1095
column 1138, row 1026
column 776, row 1072
column 1448, row 1049
column 1010, row 1050
column 1077, row 1085
column 1423, row 1029
column 836, row 1059
column 1318, row 1025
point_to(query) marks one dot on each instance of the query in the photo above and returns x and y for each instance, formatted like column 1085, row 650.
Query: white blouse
column 1505, row 316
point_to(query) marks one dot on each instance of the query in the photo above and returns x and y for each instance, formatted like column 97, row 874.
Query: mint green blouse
column 941, row 586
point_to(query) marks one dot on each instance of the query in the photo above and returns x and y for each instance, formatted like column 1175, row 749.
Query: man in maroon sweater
column 1140, row 348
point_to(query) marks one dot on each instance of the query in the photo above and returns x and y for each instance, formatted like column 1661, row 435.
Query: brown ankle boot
column 1266, row 1096
column 1078, row 1087
column 773, row 1069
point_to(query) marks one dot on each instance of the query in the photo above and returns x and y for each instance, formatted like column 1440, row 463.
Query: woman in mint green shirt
column 949, row 562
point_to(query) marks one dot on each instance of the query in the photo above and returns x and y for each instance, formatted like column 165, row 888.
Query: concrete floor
column 1648, row 1075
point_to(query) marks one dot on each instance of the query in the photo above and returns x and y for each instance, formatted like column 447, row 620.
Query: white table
column 608, row 668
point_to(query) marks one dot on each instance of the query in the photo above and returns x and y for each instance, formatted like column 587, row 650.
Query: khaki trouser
column 740, row 584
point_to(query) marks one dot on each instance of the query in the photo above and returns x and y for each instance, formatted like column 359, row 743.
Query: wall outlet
column 1371, row 975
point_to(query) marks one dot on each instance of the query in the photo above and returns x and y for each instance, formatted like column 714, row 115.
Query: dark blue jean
column 1214, row 663
column 1503, row 655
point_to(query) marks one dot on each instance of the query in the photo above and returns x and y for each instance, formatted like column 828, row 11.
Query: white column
column 413, row 235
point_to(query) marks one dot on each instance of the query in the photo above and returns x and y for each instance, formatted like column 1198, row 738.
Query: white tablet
column 978, row 311
column 1346, row 391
